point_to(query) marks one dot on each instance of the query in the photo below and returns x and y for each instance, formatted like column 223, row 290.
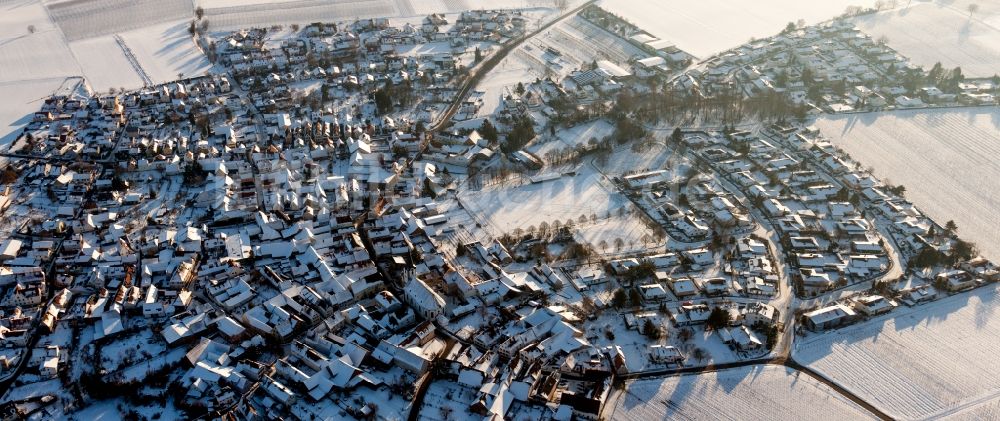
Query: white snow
column 17, row 15
column 941, row 32
column 21, row 99
column 211, row 4
column 502, row 80
column 760, row 392
column 505, row 208
column 568, row 138
column 104, row 64
column 302, row 11
column 36, row 56
column 232, row 14
column 918, row 363
column 86, row 19
column 166, row 49
column 946, row 158
column 634, row 234
column 706, row 27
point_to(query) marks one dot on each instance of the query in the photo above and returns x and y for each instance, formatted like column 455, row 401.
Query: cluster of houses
column 274, row 263
column 832, row 67
column 270, row 241
column 825, row 237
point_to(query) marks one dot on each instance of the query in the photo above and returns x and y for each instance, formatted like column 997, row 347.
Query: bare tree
column 972, row 8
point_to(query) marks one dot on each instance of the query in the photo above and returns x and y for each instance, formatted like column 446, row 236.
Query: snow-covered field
column 941, row 32
column 946, row 159
column 761, row 392
column 634, row 234
column 506, row 207
column 36, row 56
column 104, row 64
column 919, row 363
column 17, row 15
column 299, row 11
column 656, row 157
column 81, row 19
column 706, row 27
column 401, row 8
column 568, row 138
column 165, row 50
column 20, row 100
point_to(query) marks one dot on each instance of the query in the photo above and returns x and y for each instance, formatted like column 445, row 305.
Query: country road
column 482, row 69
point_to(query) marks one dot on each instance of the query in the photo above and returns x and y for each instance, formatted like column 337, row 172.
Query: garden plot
column 136, row 348
column 448, row 400
column 706, row 27
column 81, row 19
column 166, row 51
column 503, row 208
column 917, row 363
column 946, row 158
column 104, row 64
column 762, row 392
column 927, row 33
column 139, row 371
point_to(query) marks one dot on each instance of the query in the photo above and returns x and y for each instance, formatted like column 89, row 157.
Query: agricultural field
column 917, row 363
column 104, row 64
column 706, row 27
column 17, row 15
column 166, row 50
column 927, row 33
column 39, row 55
column 231, row 14
column 762, row 392
column 946, row 158
column 81, row 19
